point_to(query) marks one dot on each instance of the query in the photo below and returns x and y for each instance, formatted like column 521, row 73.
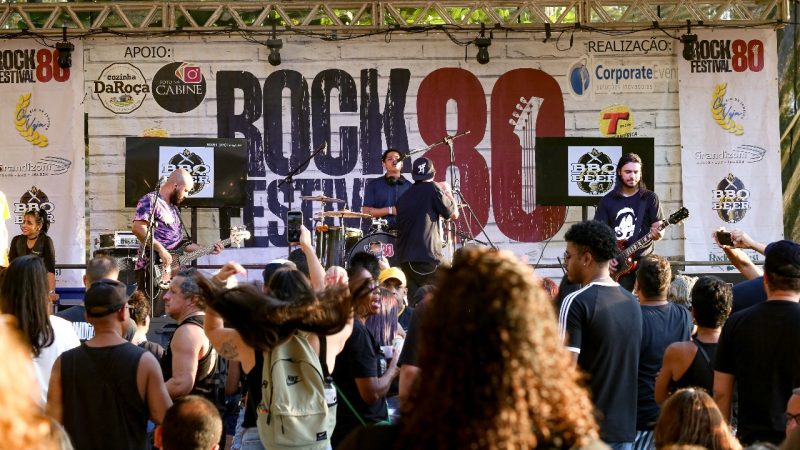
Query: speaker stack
column 122, row 246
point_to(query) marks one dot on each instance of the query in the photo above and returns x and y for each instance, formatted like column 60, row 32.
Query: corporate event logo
column 739, row 155
column 34, row 199
column 579, row 78
column 730, row 199
column 179, row 87
column 592, row 171
column 616, row 121
column 198, row 161
column 726, row 55
column 31, row 123
column 49, row 165
column 121, row 88
column 727, row 111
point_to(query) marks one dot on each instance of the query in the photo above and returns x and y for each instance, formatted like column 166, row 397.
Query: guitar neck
column 186, row 258
column 641, row 243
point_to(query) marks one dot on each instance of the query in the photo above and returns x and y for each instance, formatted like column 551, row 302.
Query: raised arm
column 315, row 270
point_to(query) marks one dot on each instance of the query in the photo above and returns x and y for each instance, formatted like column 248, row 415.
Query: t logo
column 613, row 118
column 421, row 168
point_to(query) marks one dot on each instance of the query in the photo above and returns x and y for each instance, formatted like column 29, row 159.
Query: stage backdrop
column 42, row 162
column 365, row 95
column 730, row 139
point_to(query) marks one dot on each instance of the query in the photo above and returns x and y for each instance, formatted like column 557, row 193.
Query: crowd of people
column 478, row 353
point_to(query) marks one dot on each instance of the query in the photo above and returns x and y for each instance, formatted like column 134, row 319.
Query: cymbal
column 321, row 198
column 345, row 214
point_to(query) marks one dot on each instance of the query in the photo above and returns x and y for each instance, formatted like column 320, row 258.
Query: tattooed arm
column 227, row 341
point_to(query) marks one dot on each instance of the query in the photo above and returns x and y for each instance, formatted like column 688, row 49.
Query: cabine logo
column 179, row 87
column 121, row 88
column 724, row 55
column 192, row 163
column 594, row 173
column 730, row 199
column 33, row 200
column 616, row 121
column 31, row 122
column 726, row 112
column 579, row 78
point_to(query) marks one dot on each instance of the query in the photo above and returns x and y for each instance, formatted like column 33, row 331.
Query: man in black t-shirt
column 663, row 322
column 759, row 350
column 419, row 244
column 602, row 325
column 631, row 211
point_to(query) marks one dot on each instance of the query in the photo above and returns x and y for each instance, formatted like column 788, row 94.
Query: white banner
column 730, row 139
column 42, row 163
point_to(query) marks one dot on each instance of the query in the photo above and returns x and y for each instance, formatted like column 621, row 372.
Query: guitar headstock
column 238, row 236
column 678, row 216
column 524, row 113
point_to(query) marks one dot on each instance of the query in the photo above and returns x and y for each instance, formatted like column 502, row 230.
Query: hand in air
column 305, row 237
column 230, row 269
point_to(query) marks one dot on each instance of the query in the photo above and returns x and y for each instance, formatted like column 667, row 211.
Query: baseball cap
column 783, row 258
column 105, row 296
column 392, row 272
column 423, row 170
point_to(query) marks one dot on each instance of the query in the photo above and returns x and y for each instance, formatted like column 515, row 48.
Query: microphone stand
column 458, row 196
column 148, row 241
column 289, row 178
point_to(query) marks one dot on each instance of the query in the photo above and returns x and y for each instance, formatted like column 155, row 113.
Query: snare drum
column 329, row 244
column 386, row 241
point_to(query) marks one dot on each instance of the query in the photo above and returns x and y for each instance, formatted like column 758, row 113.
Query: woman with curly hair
column 690, row 417
column 494, row 373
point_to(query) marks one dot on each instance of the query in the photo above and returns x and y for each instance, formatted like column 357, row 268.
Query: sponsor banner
column 592, row 170
column 198, row 161
column 364, row 104
column 730, row 139
column 42, row 164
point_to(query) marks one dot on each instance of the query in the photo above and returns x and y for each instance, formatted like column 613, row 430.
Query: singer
column 381, row 194
column 168, row 230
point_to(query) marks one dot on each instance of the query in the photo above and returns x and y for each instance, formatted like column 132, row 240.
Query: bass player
column 632, row 211
column 167, row 230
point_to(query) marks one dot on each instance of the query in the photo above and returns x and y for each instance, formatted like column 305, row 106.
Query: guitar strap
column 186, row 236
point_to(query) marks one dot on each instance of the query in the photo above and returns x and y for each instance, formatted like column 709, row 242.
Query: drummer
column 382, row 193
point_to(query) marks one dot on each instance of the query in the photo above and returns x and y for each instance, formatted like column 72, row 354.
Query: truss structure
column 354, row 16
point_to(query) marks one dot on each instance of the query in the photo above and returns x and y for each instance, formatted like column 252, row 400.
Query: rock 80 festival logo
column 726, row 55
column 731, row 199
column 34, row 199
column 592, row 171
column 31, row 123
column 198, row 161
column 727, row 111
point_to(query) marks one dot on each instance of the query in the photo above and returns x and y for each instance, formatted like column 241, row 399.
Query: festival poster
column 42, row 162
column 730, row 140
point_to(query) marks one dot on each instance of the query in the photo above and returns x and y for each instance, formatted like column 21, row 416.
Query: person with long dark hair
column 631, row 210
column 23, row 294
column 494, row 373
column 35, row 241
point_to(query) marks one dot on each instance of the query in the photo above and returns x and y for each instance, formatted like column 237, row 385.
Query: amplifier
column 119, row 239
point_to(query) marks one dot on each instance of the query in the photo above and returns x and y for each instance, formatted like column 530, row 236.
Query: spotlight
column 64, row 51
column 274, row 45
column 689, row 40
column 483, row 43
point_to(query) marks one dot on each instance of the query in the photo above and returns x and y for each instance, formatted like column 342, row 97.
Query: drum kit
column 336, row 245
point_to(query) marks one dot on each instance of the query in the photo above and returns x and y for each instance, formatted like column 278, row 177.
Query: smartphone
column 294, row 220
column 724, row 238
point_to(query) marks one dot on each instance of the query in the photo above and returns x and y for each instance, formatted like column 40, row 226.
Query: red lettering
column 613, row 118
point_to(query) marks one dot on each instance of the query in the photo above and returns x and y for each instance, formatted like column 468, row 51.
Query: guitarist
column 168, row 228
column 632, row 211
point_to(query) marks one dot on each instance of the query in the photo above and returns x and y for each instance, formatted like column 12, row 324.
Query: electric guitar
column 162, row 274
column 625, row 263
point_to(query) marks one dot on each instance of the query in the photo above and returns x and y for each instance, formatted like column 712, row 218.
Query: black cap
column 783, row 258
column 104, row 297
column 423, row 170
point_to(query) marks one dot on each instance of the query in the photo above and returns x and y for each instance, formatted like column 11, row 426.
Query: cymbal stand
column 459, row 198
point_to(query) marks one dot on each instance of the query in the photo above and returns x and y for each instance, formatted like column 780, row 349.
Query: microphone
column 400, row 159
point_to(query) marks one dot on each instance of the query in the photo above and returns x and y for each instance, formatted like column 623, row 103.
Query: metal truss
column 361, row 17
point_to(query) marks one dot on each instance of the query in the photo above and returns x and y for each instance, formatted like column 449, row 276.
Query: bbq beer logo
column 34, row 199
column 592, row 171
column 198, row 161
column 730, row 199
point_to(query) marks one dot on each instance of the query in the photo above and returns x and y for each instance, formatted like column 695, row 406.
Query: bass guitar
column 625, row 262
column 162, row 274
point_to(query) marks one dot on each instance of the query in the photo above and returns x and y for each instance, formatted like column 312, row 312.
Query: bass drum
column 329, row 244
column 371, row 243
